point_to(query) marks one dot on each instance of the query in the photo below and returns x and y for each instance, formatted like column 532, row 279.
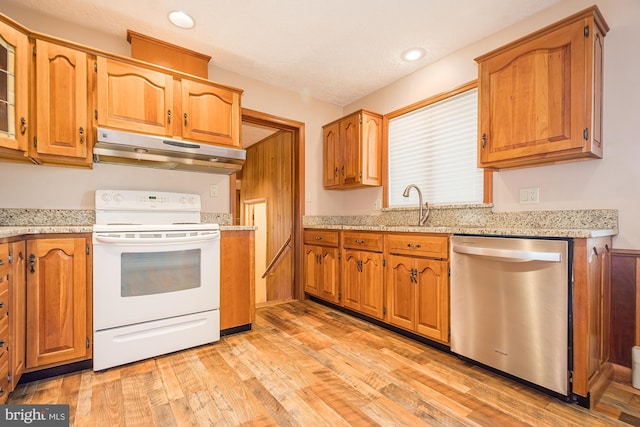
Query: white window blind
column 435, row 148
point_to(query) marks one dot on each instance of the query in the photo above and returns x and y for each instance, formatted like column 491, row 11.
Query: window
column 433, row 144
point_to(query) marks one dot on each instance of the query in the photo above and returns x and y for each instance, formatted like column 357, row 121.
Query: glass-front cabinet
column 14, row 60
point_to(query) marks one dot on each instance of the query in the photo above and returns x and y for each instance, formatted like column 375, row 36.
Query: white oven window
column 150, row 273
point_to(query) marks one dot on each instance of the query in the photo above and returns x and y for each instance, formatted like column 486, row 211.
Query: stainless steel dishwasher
column 510, row 306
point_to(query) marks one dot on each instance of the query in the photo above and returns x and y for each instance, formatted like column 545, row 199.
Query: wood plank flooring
column 304, row 364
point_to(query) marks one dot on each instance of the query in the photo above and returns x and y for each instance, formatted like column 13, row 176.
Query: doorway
column 274, row 177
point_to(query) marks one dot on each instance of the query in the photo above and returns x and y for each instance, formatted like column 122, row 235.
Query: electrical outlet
column 213, row 190
column 377, row 204
column 529, row 196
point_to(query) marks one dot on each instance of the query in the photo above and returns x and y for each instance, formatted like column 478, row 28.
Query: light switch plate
column 529, row 196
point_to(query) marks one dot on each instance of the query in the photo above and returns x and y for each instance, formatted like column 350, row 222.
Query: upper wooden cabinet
column 14, row 90
column 540, row 97
column 352, row 151
column 210, row 113
column 134, row 98
column 62, row 102
column 141, row 99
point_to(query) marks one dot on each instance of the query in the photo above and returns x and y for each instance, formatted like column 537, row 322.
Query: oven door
column 140, row 277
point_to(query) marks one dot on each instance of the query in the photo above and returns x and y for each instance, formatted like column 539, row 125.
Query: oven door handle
column 156, row 240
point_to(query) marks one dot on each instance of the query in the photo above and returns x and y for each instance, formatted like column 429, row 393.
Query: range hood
column 133, row 149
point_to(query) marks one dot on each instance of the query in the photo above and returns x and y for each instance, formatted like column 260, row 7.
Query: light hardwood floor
column 308, row 365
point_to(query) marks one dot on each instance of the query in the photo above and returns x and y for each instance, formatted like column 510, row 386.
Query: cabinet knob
column 416, row 246
column 23, row 125
column 32, row 263
column 1, row 304
column 335, row 172
column 169, row 116
column 81, row 130
column 185, row 119
column 484, row 140
column 318, row 238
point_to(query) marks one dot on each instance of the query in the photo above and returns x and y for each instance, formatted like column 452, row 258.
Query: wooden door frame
column 298, row 130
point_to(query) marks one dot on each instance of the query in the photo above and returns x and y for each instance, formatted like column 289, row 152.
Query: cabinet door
column 329, row 284
column 598, row 282
column 210, row 114
column 61, row 101
column 371, row 171
column 432, row 319
column 237, row 291
column 401, row 292
column 134, row 98
column 57, row 329
column 331, row 155
column 14, row 86
column 351, row 160
column 312, row 269
column 371, row 284
column 351, row 279
column 18, row 313
column 533, row 97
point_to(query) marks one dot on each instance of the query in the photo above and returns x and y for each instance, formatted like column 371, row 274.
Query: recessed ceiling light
column 181, row 19
column 413, row 54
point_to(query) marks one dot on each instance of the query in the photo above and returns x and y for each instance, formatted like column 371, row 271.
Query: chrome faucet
column 422, row 217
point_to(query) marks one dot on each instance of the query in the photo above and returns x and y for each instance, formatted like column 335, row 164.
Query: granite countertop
column 477, row 230
column 21, row 230
column 18, row 222
column 479, row 219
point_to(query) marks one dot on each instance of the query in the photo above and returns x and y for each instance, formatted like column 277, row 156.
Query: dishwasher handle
column 509, row 255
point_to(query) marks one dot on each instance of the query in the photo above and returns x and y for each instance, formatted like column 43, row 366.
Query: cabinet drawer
column 4, row 259
column 4, row 295
column 432, row 246
column 321, row 237
column 363, row 241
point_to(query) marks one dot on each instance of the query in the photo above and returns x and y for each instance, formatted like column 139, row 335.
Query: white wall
column 608, row 183
column 63, row 188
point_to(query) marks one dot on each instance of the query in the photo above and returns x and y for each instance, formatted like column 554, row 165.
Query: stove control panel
column 126, row 200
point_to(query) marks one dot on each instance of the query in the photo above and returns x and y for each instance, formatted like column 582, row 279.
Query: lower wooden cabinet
column 418, row 284
column 362, row 273
column 398, row 278
column 321, row 268
column 321, row 272
column 418, row 295
column 18, row 312
column 58, row 301
column 591, row 316
column 5, row 339
column 237, row 291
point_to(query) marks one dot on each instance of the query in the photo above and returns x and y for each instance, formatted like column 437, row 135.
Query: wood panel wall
column 267, row 174
column 625, row 316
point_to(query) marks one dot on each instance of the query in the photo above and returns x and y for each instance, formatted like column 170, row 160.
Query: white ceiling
column 332, row 50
